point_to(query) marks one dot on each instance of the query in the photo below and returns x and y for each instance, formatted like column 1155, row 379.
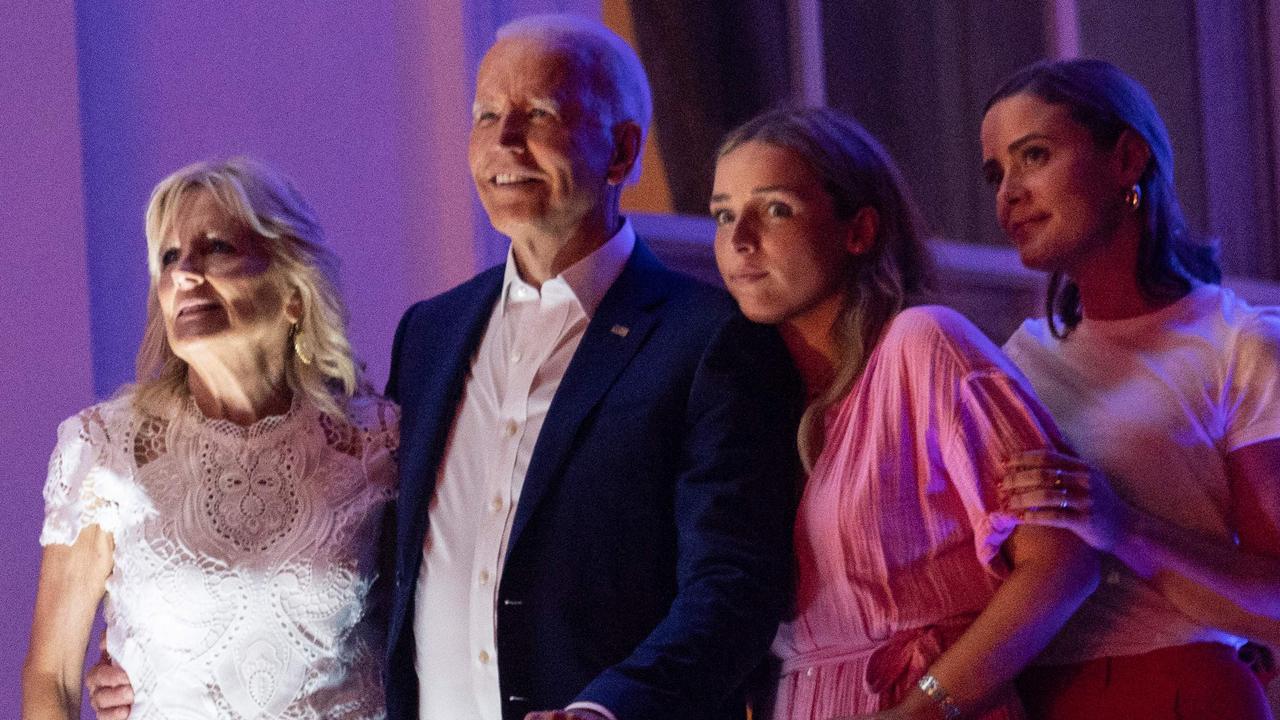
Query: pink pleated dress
column 897, row 546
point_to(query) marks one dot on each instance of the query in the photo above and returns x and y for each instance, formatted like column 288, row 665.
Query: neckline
column 1176, row 310
column 261, row 427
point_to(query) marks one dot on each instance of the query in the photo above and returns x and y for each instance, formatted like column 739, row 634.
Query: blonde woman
column 226, row 508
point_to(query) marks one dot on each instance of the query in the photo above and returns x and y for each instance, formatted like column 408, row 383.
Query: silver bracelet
column 932, row 689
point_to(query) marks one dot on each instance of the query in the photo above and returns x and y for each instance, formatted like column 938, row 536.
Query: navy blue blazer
column 650, row 556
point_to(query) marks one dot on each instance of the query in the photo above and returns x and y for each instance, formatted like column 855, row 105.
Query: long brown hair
column 857, row 172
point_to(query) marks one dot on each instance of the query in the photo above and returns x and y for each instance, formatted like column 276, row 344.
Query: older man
column 596, row 463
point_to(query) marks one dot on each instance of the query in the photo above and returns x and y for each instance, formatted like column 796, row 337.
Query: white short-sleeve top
column 1157, row 402
column 244, row 556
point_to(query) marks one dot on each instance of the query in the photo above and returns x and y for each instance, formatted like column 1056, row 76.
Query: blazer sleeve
column 734, row 505
column 392, row 392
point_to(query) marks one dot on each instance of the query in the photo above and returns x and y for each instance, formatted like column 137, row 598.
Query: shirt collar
column 588, row 279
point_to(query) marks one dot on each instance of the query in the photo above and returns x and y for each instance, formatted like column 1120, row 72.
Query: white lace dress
column 244, row 557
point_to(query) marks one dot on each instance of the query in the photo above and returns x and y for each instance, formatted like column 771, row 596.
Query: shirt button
column 496, row 503
column 510, row 428
column 484, row 658
column 808, row 672
column 484, row 577
column 516, row 357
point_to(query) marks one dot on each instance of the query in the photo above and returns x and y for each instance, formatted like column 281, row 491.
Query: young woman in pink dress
column 915, row 597
column 1163, row 380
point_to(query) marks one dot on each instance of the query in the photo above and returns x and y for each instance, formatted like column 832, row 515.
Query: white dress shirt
column 531, row 337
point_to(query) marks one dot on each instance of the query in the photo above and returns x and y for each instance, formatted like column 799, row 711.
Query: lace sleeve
column 81, row 473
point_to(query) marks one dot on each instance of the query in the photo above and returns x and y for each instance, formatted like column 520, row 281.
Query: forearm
column 72, row 582
column 1215, row 610
column 49, row 695
column 1024, row 614
column 1156, row 548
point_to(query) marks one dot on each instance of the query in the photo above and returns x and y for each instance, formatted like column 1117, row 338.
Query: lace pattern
column 244, row 557
column 87, row 484
column 148, row 442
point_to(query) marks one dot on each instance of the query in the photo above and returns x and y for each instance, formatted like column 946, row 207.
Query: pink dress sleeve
column 985, row 413
column 996, row 417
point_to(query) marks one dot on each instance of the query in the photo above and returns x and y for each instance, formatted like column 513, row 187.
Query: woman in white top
column 1162, row 380
column 227, row 508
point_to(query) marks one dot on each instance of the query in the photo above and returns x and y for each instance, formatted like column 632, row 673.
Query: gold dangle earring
column 296, row 337
column 1133, row 198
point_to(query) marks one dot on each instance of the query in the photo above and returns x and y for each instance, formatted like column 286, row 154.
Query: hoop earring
column 1133, row 197
column 295, row 337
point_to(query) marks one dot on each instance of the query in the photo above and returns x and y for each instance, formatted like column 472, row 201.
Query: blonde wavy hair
column 282, row 221
column 893, row 274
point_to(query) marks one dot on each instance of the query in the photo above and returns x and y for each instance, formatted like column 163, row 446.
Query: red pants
column 1204, row 681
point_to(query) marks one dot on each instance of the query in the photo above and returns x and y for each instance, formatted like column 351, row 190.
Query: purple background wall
column 368, row 111
column 45, row 351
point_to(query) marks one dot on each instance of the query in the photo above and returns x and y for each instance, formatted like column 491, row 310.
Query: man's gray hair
column 618, row 75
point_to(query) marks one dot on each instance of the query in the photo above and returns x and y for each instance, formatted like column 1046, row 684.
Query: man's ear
column 626, row 151
column 860, row 231
column 1132, row 155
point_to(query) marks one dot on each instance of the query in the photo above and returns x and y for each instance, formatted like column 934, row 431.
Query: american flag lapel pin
column 620, row 330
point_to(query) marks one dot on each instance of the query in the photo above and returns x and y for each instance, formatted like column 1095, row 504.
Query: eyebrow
column 545, row 103
column 990, row 163
column 542, row 103
column 763, row 190
column 1026, row 139
column 774, row 188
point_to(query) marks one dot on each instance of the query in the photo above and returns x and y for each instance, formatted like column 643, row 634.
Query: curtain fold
column 712, row 64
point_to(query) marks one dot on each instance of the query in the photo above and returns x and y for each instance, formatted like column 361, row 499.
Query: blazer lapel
column 450, row 346
column 622, row 323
